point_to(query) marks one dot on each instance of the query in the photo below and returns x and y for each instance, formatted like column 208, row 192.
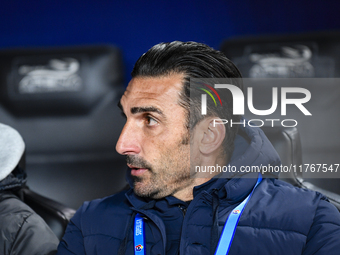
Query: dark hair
column 194, row 60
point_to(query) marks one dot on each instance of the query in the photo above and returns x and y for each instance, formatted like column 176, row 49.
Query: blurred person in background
column 22, row 231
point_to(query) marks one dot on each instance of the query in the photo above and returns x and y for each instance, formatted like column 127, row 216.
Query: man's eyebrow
column 135, row 110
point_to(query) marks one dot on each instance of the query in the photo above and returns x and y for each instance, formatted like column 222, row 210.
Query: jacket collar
column 232, row 190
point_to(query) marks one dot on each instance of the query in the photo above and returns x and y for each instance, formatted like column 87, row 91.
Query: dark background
column 135, row 26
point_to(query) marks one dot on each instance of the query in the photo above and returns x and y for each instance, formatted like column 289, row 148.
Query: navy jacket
column 278, row 219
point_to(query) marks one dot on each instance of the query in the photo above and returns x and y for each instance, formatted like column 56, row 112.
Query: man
column 22, row 231
column 168, row 211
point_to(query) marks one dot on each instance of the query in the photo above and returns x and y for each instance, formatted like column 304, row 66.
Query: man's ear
column 212, row 134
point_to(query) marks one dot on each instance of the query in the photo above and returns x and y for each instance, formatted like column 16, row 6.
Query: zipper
column 185, row 220
column 183, row 209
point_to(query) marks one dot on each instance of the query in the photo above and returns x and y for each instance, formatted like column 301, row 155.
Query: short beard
column 139, row 162
column 156, row 185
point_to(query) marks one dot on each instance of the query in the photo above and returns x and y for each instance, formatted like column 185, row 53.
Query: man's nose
column 127, row 143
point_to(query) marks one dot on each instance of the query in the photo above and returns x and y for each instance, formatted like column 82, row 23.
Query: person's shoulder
column 299, row 200
column 20, row 224
column 289, row 208
column 287, row 189
column 113, row 202
column 101, row 216
column 13, row 213
column 11, row 205
column 309, row 213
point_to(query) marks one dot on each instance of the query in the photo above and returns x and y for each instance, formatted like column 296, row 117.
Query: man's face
column 154, row 138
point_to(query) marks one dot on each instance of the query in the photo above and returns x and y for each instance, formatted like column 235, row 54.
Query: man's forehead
column 161, row 84
column 154, row 88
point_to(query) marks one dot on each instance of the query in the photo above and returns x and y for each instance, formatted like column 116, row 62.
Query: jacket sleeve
column 34, row 238
column 73, row 239
column 324, row 234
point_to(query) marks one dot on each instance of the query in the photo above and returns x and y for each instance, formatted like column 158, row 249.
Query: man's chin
column 143, row 190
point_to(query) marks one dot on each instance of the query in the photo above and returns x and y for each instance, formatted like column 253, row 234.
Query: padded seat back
column 306, row 55
column 63, row 101
column 286, row 142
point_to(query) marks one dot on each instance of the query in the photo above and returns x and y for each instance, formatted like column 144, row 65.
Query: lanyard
column 226, row 236
column 139, row 235
column 231, row 224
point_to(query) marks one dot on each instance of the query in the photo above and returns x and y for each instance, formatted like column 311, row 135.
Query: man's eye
column 151, row 121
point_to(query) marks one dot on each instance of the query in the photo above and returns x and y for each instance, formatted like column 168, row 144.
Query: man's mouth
column 136, row 171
